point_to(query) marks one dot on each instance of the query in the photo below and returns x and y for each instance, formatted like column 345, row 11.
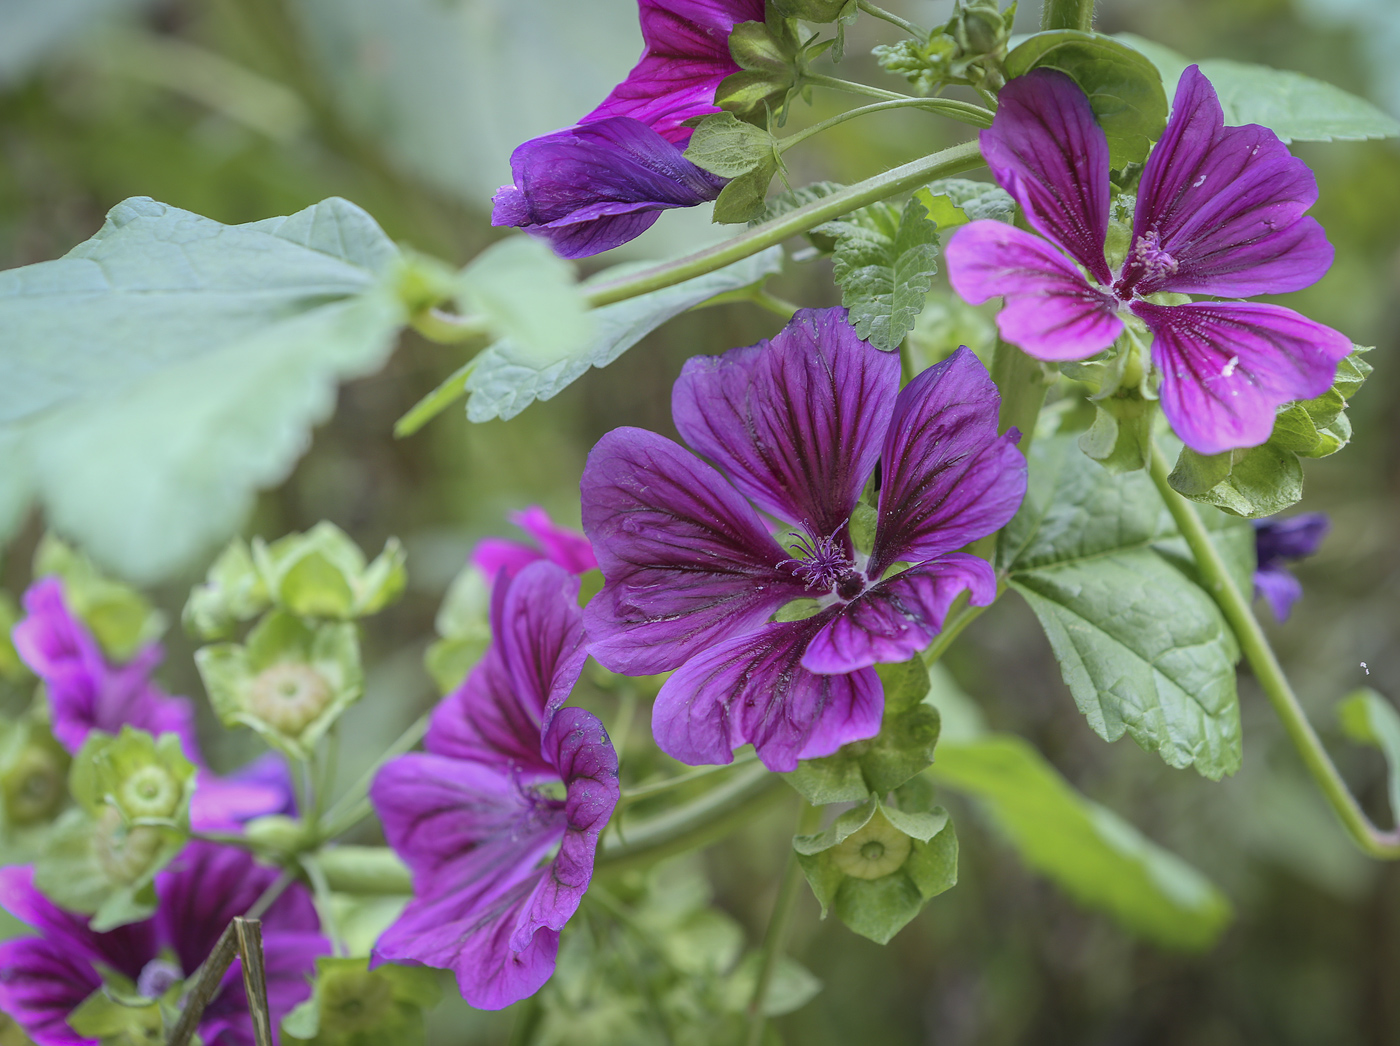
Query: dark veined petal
column 1220, row 209
column 1052, row 312
column 41, row 983
column 688, row 562
column 948, row 478
column 589, row 188
column 536, row 654
column 686, row 57
column 796, row 422
column 894, row 620
column 557, row 544
column 1226, row 367
column 753, row 689
column 1045, row 148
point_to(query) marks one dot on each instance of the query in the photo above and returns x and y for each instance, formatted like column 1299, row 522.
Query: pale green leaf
column 884, row 262
column 527, row 293
column 727, row 146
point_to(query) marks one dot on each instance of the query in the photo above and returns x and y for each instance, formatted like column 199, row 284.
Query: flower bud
column 873, row 852
column 980, row 28
column 288, row 696
column 125, row 854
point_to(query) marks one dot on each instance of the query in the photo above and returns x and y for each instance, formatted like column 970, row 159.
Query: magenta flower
column 499, row 820
column 1219, row 213
column 567, row 548
column 1277, row 542
column 44, row 978
column 694, row 575
column 589, row 188
column 86, row 692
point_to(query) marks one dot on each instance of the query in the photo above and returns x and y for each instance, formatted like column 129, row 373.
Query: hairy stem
column 853, row 87
column 779, row 923
column 1269, row 672
column 894, row 19
column 645, row 791
column 1067, row 14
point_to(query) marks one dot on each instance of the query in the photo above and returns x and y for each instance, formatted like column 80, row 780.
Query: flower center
column 289, row 696
column 875, row 851
column 1146, row 261
column 150, row 792
column 157, row 977
column 823, row 564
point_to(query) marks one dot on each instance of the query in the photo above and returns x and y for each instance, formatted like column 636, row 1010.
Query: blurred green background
column 241, row 109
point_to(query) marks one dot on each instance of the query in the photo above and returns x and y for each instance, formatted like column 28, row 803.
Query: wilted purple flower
column 86, row 692
column 1278, row 542
column 694, row 575
column 1219, row 212
column 499, row 820
column 568, row 548
column 44, row 978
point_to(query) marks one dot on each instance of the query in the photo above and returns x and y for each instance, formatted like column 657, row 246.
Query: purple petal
column 497, row 714
column 1045, row 148
column 897, row 618
column 590, row 188
column 949, row 479
column 258, row 789
column 1226, row 367
column 496, row 556
column 563, row 546
column 41, row 983
column 1276, row 540
column 126, row 949
column 688, row 562
column 1051, row 311
column 794, row 423
column 1280, row 588
column 1220, row 209
column 686, row 57
column 752, row 688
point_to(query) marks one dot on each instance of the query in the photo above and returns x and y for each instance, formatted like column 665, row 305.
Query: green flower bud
column 233, row 591
column 288, row 696
column 146, row 779
column 980, row 28
column 874, row 851
column 770, row 57
column 323, row 574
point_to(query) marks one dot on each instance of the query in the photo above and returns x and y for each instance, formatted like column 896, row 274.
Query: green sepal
column 727, row 146
column 289, row 682
column 770, row 56
column 323, row 574
column 743, row 198
column 33, row 776
column 352, row 1005
column 877, row 866
column 817, row 12
column 233, row 592
column 121, row 619
column 1120, row 439
column 146, row 779
column 114, row 1022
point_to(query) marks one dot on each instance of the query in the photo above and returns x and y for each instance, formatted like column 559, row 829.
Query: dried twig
column 250, row 950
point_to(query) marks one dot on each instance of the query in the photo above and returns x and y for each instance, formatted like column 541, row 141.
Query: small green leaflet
column 1143, row 648
column 1295, row 107
column 160, row 373
column 956, row 201
column 503, row 380
column 727, row 146
column 884, row 261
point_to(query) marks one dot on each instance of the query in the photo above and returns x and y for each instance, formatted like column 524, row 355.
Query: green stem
column 1067, row 14
column 1269, row 672
column 353, row 807
column 852, row 87
column 448, row 328
column 775, row 938
column 646, row 791
column 964, row 111
column 894, row 19
column 367, row 870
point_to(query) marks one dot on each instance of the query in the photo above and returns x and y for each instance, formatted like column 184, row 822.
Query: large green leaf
column 504, row 380
column 1124, row 88
column 1295, row 107
column 1143, row 648
column 1095, row 856
column 161, row 372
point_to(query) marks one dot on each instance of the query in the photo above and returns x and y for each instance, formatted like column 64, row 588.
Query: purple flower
column 499, row 820
column 44, row 978
column 568, row 548
column 1278, row 542
column 86, row 692
column 1219, row 212
column 694, row 574
column 589, row 188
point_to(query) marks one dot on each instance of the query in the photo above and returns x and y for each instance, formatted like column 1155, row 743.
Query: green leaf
column 727, row 146
column 160, row 373
column 1120, row 439
column 1295, row 107
column 1124, row 88
column 527, row 293
column 956, row 201
column 1143, row 648
column 1096, row 857
column 1370, row 719
column 505, row 380
column 884, row 263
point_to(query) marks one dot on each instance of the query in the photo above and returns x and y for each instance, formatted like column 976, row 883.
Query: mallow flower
column 1219, row 212
column 589, row 188
column 568, row 548
column 498, row 820
column 772, row 637
column 87, row 692
column 44, row 978
column 1277, row 542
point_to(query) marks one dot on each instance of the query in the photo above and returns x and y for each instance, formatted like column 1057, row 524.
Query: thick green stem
column 1067, row 14
column 779, row 923
column 1269, row 672
column 353, row 807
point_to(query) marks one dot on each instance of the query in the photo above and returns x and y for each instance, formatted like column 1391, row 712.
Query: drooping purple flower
column 499, row 819
column 694, row 576
column 1278, row 542
column 86, row 692
column 568, row 548
column 1220, row 212
column 44, row 978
